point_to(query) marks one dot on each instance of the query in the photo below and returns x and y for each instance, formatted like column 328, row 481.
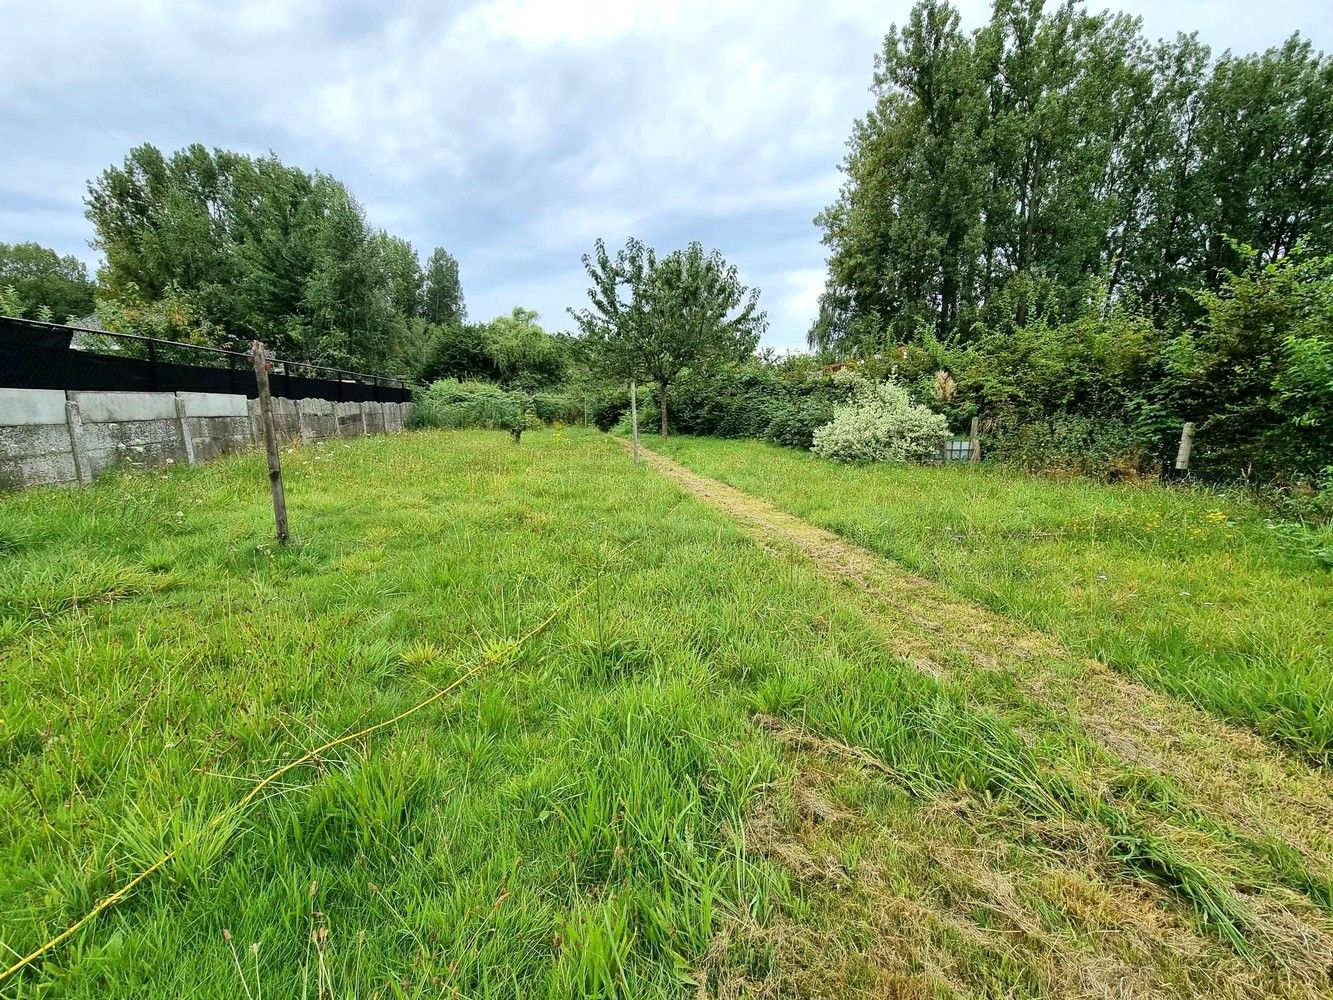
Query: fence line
column 37, row 355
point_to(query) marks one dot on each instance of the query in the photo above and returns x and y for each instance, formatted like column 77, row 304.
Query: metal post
column 152, row 364
column 634, row 416
column 270, row 442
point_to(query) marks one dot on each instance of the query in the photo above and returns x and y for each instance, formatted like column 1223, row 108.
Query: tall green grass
column 569, row 824
column 1189, row 590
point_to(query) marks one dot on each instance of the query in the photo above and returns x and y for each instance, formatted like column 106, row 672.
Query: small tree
column 652, row 318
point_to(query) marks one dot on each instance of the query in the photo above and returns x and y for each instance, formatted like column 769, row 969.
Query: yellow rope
column 217, row 820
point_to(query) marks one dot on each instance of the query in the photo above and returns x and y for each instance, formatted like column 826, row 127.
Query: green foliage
column 1003, row 175
column 1257, row 372
column 731, row 401
column 260, row 250
column 524, row 355
column 454, row 404
column 1107, row 393
column 1064, row 443
column 652, row 318
column 879, row 424
column 457, row 350
column 10, row 302
column 513, row 350
column 443, row 303
column 36, row 280
column 175, row 315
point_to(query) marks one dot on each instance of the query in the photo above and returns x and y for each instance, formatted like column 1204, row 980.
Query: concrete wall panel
column 54, row 469
column 147, row 430
column 350, row 421
column 213, row 404
column 212, row 437
column 374, row 416
column 21, row 407
column 132, row 407
column 133, row 443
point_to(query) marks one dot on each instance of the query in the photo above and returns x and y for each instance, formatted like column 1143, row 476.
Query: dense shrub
column 558, row 406
column 880, row 423
column 450, row 403
column 607, row 407
column 794, row 421
column 1257, row 374
column 1070, row 443
column 729, row 402
column 512, row 350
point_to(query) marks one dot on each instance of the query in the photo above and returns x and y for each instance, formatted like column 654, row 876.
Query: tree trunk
column 662, row 405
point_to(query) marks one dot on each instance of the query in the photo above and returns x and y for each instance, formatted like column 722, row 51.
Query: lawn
column 707, row 775
column 1191, row 591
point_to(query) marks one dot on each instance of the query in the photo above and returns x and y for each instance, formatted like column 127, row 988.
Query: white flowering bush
column 879, row 424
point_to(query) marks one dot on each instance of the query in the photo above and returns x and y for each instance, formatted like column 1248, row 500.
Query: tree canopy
column 443, row 292
column 41, row 284
column 259, row 249
column 1017, row 171
column 651, row 318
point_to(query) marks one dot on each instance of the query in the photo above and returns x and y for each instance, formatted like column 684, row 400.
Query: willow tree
column 651, row 318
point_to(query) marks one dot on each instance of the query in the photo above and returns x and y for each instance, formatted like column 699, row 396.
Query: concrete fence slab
column 213, row 404
column 22, row 407
column 125, row 407
column 50, row 437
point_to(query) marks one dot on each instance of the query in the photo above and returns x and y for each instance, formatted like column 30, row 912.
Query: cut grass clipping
column 584, row 818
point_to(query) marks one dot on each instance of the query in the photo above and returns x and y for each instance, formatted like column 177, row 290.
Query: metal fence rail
column 36, row 355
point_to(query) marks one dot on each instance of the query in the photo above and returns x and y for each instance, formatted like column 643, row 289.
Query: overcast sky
column 512, row 132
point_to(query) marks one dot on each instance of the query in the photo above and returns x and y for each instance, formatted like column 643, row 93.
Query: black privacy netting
column 35, row 355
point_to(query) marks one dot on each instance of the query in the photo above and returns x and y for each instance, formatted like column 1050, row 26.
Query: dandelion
column 1216, row 517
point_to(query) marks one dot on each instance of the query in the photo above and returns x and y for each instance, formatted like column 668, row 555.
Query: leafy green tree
column 524, row 355
column 260, row 250
column 1017, row 173
column 652, row 318
column 41, row 279
column 443, row 297
column 459, row 351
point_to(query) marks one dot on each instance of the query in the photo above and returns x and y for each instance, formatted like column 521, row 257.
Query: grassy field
column 1187, row 590
column 709, row 775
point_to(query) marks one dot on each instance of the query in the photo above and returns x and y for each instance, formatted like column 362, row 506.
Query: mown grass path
column 1193, row 593
column 1255, row 785
column 1236, row 778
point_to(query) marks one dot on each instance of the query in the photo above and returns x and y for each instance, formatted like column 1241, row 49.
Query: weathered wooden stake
column 270, row 441
column 1186, row 443
column 974, row 439
column 634, row 416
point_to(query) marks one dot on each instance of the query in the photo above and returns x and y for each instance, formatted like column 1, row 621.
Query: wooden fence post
column 1186, row 443
column 634, row 416
column 270, row 441
column 974, row 438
